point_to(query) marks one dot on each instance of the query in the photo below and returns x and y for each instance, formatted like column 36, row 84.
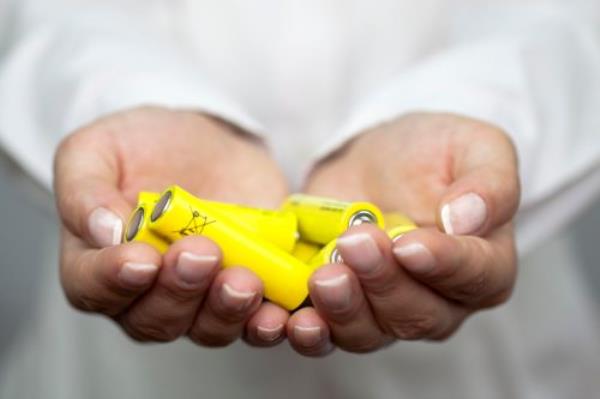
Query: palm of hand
column 99, row 171
column 156, row 148
column 410, row 165
column 399, row 168
column 423, row 285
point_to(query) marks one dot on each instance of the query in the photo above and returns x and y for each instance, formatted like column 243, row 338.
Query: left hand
column 457, row 179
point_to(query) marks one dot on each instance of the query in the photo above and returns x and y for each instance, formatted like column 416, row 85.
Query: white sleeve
column 534, row 72
column 68, row 62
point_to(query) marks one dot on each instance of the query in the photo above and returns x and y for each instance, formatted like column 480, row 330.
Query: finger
column 86, row 186
column 338, row 298
column 235, row 295
column 106, row 280
column 485, row 191
column 167, row 311
column 404, row 308
column 309, row 334
column 267, row 326
column 471, row 270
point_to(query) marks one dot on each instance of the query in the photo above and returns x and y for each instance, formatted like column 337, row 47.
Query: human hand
column 98, row 172
column 448, row 173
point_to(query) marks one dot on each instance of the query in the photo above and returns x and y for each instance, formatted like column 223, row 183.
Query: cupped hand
column 98, row 172
column 457, row 178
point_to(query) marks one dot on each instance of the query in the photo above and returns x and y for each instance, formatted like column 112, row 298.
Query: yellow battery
column 321, row 220
column 396, row 232
column 398, row 224
column 147, row 197
column 328, row 254
column 277, row 227
column 395, row 219
column 178, row 214
column 137, row 229
column 305, row 251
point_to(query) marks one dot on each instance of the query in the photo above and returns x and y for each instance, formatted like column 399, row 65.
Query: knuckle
column 76, row 301
column 362, row 346
column 345, row 314
column 476, row 287
column 178, row 294
column 315, row 352
column 209, row 338
column 87, row 300
column 497, row 299
column 91, row 303
column 445, row 334
column 381, row 286
column 414, row 327
column 230, row 314
column 147, row 331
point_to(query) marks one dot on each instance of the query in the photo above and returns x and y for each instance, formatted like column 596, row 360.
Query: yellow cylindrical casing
column 305, row 251
column 321, row 220
column 327, row 254
column 398, row 224
column 396, row 232
column 137, row 229
column 395, row 219
column 148, row 197
column 277, row 227
column 178, row 214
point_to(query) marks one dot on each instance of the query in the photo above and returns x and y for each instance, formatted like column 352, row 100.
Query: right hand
column 98, row 172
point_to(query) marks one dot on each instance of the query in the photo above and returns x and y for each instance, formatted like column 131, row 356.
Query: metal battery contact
column 161, row 206
column 362, row 217
column 135, row 224
column 335, row 256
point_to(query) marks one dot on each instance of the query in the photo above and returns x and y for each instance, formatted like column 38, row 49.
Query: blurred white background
column 29, row 253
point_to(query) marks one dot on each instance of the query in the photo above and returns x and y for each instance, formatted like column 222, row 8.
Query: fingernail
column 269, row 334
column 192, row 269
column 236, row 300
column 137, row 274
column 415, row 257
column 307, row 336
column 464, row 215
column 360, row 251
column 335, row 292
column 105, row 227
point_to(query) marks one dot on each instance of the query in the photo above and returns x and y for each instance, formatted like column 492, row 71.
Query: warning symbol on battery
column 196, row 225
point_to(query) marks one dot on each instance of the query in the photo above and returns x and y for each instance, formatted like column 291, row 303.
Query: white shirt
column 308, row 75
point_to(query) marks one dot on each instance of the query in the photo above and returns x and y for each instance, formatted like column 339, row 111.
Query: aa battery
column 305, row 251
column 400, row 224
column 321, row 220
column 394, row 219
column 137, row 229
column 178, row 214
column 398, row 231
column 147, row 198
column 397, row 225
column 277, row 227
column 328, row 254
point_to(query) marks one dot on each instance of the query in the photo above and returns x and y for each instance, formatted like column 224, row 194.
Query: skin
column 415, row 165
column 105, row 165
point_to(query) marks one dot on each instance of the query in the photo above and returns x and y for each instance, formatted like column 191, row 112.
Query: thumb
column 86, row 177
column 485, row 191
